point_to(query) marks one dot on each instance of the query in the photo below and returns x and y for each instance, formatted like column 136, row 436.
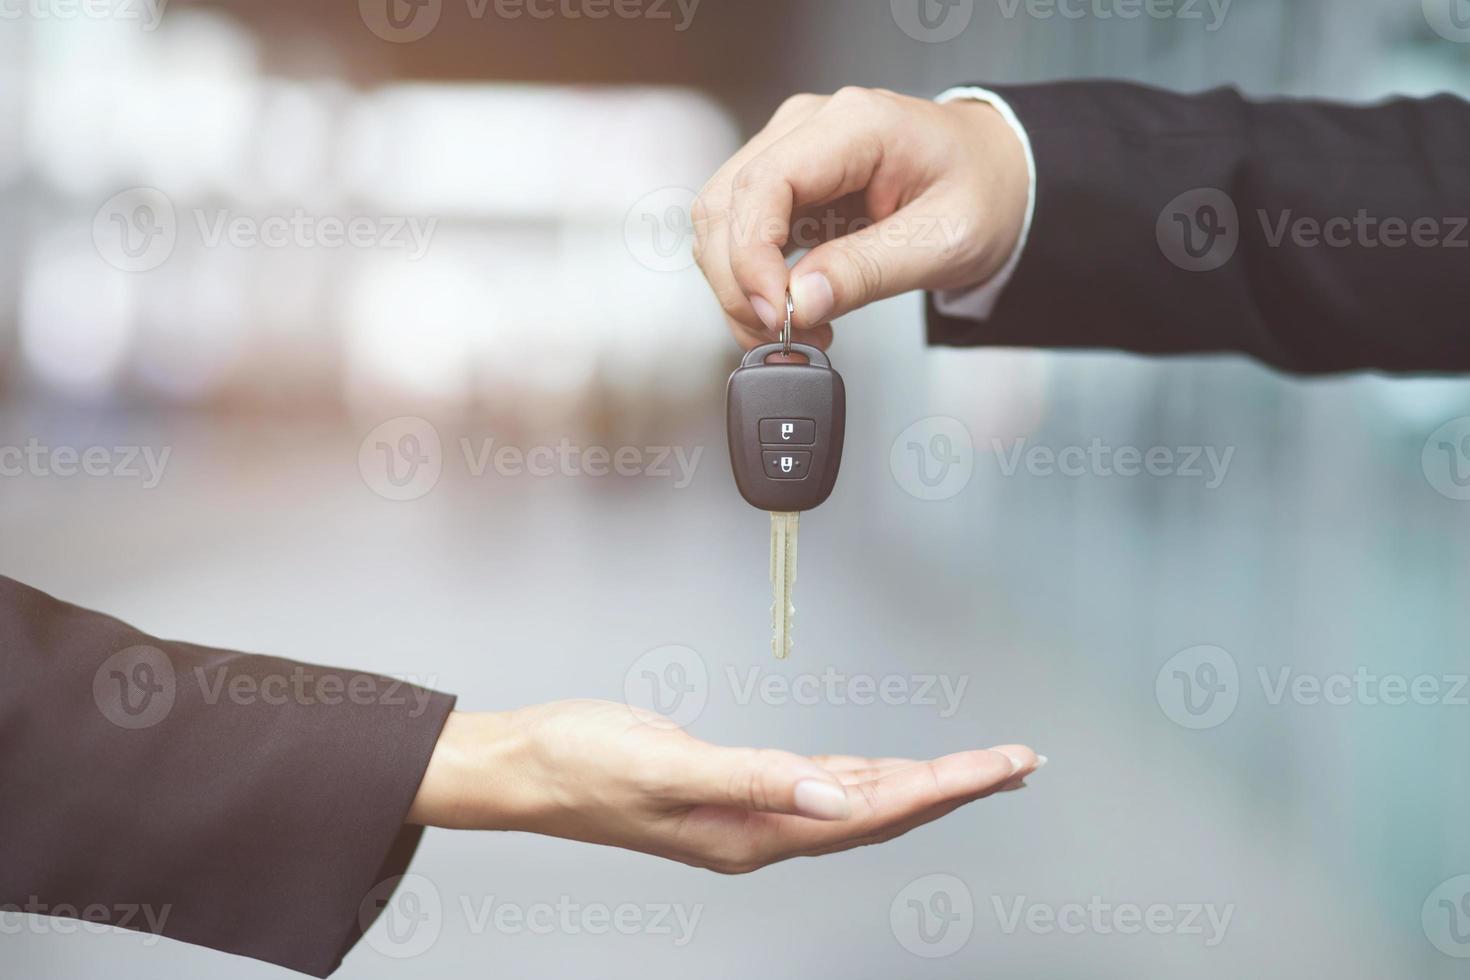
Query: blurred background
column 298, row 272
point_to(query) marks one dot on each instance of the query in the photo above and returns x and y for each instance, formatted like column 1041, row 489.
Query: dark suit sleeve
column 1106, row 265
column 240, row 802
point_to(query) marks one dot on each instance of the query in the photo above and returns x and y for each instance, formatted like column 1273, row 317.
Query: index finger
column 834, row 153
column 711, row 226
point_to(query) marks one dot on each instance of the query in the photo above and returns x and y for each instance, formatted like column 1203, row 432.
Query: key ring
column 786, row 329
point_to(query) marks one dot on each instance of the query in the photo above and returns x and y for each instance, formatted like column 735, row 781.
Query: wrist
column 998, row 167
column 475, row 779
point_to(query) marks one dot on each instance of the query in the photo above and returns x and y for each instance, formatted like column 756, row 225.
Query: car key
column 786, row 423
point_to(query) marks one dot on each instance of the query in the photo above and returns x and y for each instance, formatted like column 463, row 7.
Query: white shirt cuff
column 978, row 302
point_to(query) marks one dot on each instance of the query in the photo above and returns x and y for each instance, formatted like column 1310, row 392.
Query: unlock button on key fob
column 788, row 432
column 787, row 464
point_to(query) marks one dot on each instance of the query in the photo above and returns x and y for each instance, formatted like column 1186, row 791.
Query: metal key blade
column 783, row 577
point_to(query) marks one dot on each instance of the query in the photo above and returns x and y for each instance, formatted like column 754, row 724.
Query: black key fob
column 786, row 425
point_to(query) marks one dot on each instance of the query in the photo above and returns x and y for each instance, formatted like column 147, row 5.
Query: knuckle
column 936, row 786
column 748, row 785
column 706, row 212
column 870, row 794
column 887, row 97
column 799, row 103
column 735, row 305
column 699, row 215
column 878, row 108
column 865, row 260
column 753, row 174
column 703, row 220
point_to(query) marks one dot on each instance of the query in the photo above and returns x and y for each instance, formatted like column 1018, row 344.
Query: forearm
column 252, row 801
column 1102, row 268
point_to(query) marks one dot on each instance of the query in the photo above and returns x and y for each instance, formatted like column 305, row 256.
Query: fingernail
column 814, row 298
column 767, row 313
column 1016, row 763
column 822, row 801
column 1040, row 761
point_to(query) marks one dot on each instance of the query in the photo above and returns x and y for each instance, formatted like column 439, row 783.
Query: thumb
column 894, row 256
column 766, row 780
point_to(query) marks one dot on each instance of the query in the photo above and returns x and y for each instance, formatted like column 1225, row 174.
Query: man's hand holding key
column 900, row 165
column 940, row 191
